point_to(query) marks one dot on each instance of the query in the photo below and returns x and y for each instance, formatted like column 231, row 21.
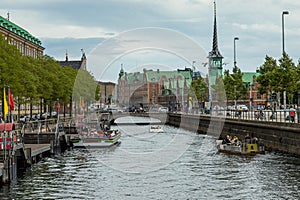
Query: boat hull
column 97, row 142
column 245, row 149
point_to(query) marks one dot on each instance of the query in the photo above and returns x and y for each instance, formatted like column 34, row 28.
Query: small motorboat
column 97, row 139
column 248, row 147
column 156, row 129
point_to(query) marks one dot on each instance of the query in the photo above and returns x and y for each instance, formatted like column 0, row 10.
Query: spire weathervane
column 215, row 51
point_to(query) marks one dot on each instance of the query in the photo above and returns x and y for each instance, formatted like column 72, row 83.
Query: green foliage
column 97, row 93
column 34, row 79
column 199, row 90
column 268, row 76
column 279, row 78
column 233, row 84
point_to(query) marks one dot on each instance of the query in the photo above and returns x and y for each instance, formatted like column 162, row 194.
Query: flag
column 5, row 105
column 82, row 103
column 11, row 101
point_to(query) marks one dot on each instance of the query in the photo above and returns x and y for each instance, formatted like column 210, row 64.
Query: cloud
column 257, row 23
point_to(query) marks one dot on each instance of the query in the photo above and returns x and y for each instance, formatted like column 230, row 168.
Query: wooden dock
column 37, row 149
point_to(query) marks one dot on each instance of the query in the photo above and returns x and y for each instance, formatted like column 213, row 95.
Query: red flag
column 11, row 101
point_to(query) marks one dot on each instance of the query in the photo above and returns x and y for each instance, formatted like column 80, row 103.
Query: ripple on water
column 198, row 173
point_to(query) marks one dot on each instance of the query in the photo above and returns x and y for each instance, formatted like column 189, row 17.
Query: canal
column 176, row 164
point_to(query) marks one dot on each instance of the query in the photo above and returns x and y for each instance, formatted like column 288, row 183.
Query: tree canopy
column 32, row 80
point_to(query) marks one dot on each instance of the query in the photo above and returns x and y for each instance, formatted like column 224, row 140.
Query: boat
column 97, row 139
column 101, row 136
column 156, row 129
column 247, row 147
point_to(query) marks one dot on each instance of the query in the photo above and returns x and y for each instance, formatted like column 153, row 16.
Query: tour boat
column 241, row 148
column 101, row 136
column 156, row 129
column 97, row 138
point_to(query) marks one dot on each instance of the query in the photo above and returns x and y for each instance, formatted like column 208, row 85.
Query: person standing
column 292, row 115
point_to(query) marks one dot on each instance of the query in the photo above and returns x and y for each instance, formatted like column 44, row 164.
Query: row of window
column 26, row 49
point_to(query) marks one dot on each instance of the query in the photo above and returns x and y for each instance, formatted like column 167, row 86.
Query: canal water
column 176, row 164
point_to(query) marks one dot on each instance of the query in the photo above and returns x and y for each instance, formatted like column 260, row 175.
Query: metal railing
column 259, row 115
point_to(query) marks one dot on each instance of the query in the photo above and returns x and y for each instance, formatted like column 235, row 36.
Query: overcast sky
column 99, row 27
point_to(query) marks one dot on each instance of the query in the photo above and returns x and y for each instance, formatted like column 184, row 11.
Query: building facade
column 150, row 88
column 75, row 64
column 107, row 92
column 22, row 39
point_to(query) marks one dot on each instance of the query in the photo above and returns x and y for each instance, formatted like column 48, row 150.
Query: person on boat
column 235, row 140
column 255, row 140
column 227, row 140
column 248, row 138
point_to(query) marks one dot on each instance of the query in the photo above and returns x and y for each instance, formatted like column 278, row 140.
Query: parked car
column 163, row 109
column 242, row 108
column 54, row 114
column 112, row 110
column 24, row 118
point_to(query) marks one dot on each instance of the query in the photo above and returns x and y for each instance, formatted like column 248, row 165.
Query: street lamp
column 236, row 38
column 283, row 51
column 283, row 13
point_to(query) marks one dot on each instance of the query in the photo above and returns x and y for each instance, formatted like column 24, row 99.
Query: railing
column 257, row 115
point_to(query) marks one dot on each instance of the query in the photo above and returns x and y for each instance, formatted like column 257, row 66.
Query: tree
column 287, row 78
column 233, row 84
column 269, row 77
column 199, row 90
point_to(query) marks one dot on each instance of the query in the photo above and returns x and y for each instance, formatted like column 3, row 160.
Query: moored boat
column 102, row 136
column 98, row 138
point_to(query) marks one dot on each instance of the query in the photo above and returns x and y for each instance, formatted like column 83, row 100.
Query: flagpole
column 2, row 109
column 9, row 111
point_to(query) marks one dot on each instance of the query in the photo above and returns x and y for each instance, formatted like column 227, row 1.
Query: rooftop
column 10, row 26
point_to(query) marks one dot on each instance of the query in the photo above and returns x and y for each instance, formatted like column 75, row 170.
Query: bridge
column 161, row 118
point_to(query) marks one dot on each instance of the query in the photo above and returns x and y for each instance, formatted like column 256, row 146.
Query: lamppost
column 234, row 54
column 283, row 51
column 283, row 13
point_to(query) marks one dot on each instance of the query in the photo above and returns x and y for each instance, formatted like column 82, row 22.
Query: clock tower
column 215, row 68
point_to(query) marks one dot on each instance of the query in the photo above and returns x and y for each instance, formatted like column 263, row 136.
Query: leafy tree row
column 277, row 77
column 274, row 77
column 42, row 80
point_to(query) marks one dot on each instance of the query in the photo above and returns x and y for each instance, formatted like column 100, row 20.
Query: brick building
column 166, row 88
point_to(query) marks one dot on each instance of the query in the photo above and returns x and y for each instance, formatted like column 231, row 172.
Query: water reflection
column 200, row 172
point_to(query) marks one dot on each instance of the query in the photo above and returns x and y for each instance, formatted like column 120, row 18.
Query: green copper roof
column 8, row 25
column 170, row 78
column 154, row 76
column 248, row 77
column 122, row 71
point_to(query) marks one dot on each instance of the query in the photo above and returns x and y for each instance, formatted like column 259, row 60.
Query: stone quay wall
column 277, row 136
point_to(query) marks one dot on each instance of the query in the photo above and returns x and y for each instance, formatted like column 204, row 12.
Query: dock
column 37, row 149
column 22, row 145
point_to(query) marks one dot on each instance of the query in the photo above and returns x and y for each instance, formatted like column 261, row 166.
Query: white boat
column 97, row 139
column 102, row 136
column 156, row 129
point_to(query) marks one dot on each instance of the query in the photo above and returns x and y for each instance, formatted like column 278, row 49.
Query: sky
column 166, row 35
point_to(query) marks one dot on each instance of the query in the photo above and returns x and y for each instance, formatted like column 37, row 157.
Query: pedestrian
column 292, row 114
